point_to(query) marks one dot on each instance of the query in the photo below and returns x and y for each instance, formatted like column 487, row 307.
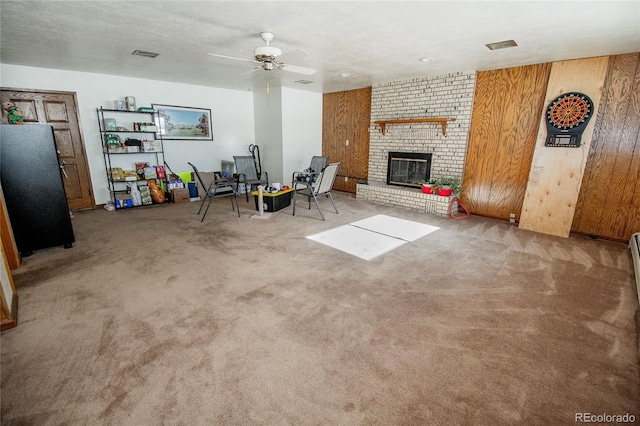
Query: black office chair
column 247, row 173
column 218, row 188
column 322, row 187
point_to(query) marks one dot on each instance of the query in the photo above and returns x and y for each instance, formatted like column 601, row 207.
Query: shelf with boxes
column 133, row 154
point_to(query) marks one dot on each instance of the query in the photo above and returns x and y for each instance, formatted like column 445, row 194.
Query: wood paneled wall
column 556, row 172
column 506, row 116
column 504, row 124
column 609, row 201
column 346, row 117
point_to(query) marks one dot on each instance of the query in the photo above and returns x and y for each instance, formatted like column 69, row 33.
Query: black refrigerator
column 33, row 190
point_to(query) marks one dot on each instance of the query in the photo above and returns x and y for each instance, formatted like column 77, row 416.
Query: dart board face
column 567, row 117
column 569, row 111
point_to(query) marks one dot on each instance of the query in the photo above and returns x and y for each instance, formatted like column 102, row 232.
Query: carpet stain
column 203, row 331
column 113, row 405
column 106, row 347
column 172, row 279
column 142, row 330
column 259, row 293
column 132, row 376
column 204, row 364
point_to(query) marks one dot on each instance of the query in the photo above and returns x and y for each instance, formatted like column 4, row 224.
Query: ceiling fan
column 270, row 57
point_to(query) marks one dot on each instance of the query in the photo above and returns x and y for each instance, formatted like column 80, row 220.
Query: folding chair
column 322, row 187
column 247, row 173
column 318, row 163
column 218, row 188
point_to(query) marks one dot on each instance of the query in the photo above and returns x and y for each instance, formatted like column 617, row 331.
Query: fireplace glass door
column 408, row 168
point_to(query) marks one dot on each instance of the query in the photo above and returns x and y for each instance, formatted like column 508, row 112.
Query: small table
column 274, row 201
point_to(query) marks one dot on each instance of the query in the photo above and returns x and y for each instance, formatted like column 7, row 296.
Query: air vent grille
column 145, row 54
column 501, row 45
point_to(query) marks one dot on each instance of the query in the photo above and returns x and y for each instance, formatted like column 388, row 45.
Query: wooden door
column 345, row 135
column 609, row 202
column 58, row 109
column 9, row 247
column 504, row 125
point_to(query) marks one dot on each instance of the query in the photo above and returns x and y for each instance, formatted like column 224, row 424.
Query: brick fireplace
column 449, row 96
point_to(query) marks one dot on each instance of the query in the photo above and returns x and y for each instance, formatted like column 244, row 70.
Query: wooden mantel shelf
column 442, row 121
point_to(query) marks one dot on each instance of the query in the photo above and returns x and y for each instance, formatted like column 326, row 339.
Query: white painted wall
column 288, row 130
column 267, row 110
column 301, row 130
column 286, row 124
column 232, row 111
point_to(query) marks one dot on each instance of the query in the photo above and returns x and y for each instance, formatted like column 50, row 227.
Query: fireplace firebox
column 408, row 168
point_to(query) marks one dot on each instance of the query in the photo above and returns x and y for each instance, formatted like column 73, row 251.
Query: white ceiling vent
column 145, row 54
column 501, row 45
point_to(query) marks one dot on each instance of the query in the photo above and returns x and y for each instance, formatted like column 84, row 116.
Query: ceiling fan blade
column 233, row 57
column 300, row 70
column 250, row 71
column 293, row 55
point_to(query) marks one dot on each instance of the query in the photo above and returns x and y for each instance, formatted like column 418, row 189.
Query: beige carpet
column 156, row 318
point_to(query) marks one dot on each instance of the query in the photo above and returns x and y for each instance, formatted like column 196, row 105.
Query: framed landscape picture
column 184, row 123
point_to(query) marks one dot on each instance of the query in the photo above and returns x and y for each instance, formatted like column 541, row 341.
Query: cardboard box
column 207, row 177
column 123, row 201
column 180, row 195
column 274, row 202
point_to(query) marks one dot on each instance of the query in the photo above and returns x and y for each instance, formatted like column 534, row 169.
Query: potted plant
column 447, row 186
column 428, row 185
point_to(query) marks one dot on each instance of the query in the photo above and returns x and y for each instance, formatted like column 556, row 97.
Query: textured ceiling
column 375, row 42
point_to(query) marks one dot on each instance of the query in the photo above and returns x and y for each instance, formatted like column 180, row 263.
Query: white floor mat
column 357, row 242
column 394, row 227
column 369, row 238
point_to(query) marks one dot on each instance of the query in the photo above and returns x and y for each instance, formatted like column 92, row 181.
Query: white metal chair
column 322, row 187
column 247, row 173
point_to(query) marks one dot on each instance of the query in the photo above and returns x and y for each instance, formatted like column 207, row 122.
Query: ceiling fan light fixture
column 501, row 45
column 267, row 51
column 267, row 58
column 424, row 59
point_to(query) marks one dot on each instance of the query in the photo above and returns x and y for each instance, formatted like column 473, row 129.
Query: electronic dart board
column 567, row 117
